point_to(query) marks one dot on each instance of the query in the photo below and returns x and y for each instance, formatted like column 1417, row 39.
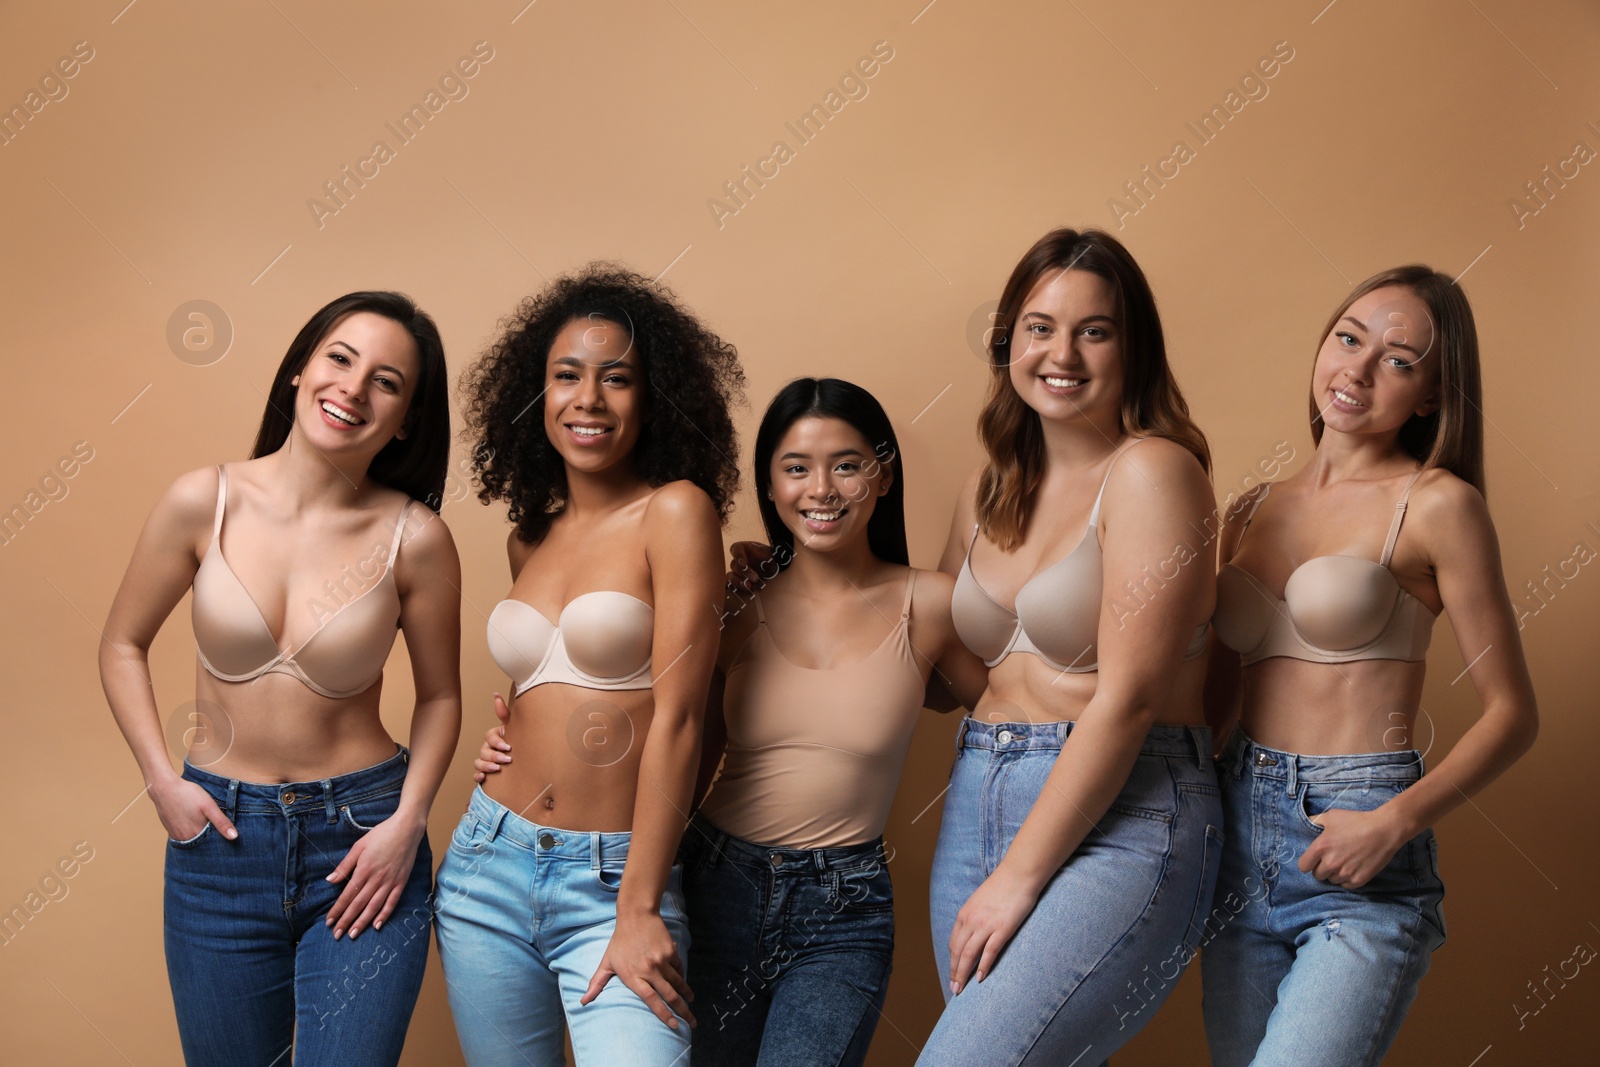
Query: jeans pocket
column 468, row 835
column 609, row 875
column 191, row 842
column 1318, row 799
column 1210, row 861
column 862, row 890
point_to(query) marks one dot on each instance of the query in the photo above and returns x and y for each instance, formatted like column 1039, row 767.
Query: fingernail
column 231, row 833
column 954, row 989
column 378, row 925
column 980, row 976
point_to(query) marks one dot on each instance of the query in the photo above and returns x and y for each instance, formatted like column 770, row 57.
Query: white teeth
column 342, row 416
column 588, row 431
column 822, row 516
column 1063, row 383
column 1348, row 399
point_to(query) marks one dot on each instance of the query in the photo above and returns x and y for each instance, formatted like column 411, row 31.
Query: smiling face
column 594, row 394
column 825, row 482
column 355, row 389
column 1378, row 367
column 1066, row 346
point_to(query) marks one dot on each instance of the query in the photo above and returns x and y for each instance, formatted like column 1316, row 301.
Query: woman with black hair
column 602, row 420
column 790, row 907
column 297, row 819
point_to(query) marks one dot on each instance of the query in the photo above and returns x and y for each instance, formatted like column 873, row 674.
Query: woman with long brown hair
column 1328, row 907
column 1082, row 825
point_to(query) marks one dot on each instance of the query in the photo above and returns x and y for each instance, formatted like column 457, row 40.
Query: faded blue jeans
column 524, row 914
column 1113, row 928
column 1297, row 971
column 792, row 949
column 252, row 965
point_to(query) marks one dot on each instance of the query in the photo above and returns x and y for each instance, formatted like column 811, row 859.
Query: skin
column 662, row 545
column 1382, row 355
column 295, row 518
column 1157, row 495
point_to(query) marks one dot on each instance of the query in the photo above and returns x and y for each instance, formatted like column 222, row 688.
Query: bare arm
column 165, row 559
column 1223, row 695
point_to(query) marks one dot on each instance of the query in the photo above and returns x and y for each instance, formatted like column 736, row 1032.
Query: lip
column 1334, row 401
column 818, row 526
column 1056, row 390
column 587, row 440
column 338, row 424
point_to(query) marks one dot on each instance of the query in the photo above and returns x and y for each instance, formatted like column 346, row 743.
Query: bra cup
column 227, row 625
column 1341, row 602
column 608, row 634
column 343, row 655
column 519, row 638
column 1059, row 608
column 1244, row 612
column 983, row 626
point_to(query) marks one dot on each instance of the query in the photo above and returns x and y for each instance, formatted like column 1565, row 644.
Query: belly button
column 549, row 803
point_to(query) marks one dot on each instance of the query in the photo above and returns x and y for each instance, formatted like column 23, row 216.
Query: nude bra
column 814, row 755
column 344, row 656
column 1057, row 617
column 601, row 640
column 1334, row 609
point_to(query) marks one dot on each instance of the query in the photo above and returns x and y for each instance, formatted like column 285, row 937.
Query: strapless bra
column 1057, row 617
column 343, row 657
column 1334, row 609
column 601, row 640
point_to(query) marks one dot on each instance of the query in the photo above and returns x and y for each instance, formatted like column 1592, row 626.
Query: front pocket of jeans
column 862, row 890
column 350, row 820
column 192, row 841
column 609, row 876
column 468, row 835
column 1318, row 800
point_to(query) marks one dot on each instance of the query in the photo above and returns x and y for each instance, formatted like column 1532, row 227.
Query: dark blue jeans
column 790, row 949
column 253, row 968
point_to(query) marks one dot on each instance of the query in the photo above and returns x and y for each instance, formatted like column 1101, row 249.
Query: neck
column 841, row 571
column 312, row 477
column 1341, row 456
column 1074, row 444
column 600, row 491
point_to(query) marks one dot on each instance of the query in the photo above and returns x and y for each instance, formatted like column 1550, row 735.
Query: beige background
column 179, row 164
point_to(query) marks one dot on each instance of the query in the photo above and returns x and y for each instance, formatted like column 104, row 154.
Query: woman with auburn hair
column 297, row 819
column 601, row 417
column 822, row 677
column 1082, row 826
column 1328, row 808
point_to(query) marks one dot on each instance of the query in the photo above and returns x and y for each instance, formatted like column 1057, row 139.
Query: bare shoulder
column 677, row 506
column 189, row 504
column 930, row 599
column 427, row 536
column 967, row 502
column 1157, row 462
column 1442, row 502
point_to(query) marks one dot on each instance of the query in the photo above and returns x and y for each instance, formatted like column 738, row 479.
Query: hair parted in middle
column 1152, row 404
column 692, row 378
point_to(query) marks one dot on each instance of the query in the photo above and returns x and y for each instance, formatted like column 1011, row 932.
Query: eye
column 848, row 468
column 388, row 383
column 617, row 379
column 565, row 376
column 794, row 468
column 1347, row 339
column 1038, row 329
column 339, row 357
column 1098, row 333
column 1401, row 363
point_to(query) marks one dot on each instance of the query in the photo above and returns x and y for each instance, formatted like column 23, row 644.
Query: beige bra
column 1334, row 609
column 345, row 655
column 1057, row 617
column 601, row 640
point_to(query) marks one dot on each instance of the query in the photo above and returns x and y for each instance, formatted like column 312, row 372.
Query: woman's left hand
column 1353, row 846
column 375, row 872
column 986, row 924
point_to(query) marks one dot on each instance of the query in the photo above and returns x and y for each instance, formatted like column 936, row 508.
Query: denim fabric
column 524, row 914
column 252, row 965
column 1302, row 972
column 792, row 949
column 1113, row 928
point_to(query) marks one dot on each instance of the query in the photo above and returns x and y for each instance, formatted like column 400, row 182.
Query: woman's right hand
column 749, row 563
column 184, row 809
column 496, row 750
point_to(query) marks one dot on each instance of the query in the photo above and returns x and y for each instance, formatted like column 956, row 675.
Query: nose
column 822, row 486
column 589, row 396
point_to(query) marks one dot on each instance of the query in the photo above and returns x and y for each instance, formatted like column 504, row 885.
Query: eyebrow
column 1393, row 344
column 1086, row 319
column 574, row 361
column 390, row 367
column 836, row 455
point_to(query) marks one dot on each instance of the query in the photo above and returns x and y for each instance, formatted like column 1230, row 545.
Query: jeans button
column 289, row 797
column 547, row 841
column 1264, row 760
column 1005, row 737
column 777, row 860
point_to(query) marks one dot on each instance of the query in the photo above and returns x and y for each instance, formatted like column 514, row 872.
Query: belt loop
column 594, row 851
column 1294, row 772
column 1198, row 736
column 492, row 823
column 716, row 838
column 327, row 799
column 961, row 734
column 233, row 800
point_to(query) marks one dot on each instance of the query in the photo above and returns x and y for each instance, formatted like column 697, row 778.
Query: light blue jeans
column 1301, row 972
column 524, row 913
column 1113, row 928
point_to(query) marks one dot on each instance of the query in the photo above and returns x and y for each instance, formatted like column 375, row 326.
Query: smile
column 349, row 418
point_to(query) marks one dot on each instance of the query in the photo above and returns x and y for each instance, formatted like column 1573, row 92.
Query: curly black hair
column 693, row 377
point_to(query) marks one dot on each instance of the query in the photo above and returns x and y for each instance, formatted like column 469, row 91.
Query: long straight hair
column 834, row 398
column 1152, row 403
column 1451, row 437
column 416, row 464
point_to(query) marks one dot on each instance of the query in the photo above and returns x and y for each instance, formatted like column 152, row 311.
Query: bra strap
column 222, row 501
column 399, row 531
column 911, row 587
column 1399, row 517
column 1250, row 516
column 761, row 616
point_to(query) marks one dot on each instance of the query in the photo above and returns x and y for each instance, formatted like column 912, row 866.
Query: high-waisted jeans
column 1113, row 928
column 1302, row 972
column 252, row 965
column 524, row 915
column 792, row 949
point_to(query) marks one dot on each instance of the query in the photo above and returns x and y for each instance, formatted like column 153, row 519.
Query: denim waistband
column 1244, row 754
column 794, row 860
column 1185, row 742
column 547, row 842
column 291, row 798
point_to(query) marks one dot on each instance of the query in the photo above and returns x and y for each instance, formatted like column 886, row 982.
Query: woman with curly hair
column 298, row 826
column 601, row 417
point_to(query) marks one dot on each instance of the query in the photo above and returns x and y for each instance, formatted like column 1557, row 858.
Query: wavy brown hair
column 1451, row 437
column 692, row 377
column 1152, row 403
